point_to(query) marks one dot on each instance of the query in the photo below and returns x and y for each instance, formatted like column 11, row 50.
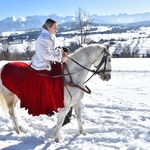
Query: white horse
column 79, row 64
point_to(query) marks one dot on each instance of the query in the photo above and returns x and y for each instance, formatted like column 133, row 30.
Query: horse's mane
column 85, row 48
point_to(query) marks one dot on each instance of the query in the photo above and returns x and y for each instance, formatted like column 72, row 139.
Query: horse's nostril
column 107, row 77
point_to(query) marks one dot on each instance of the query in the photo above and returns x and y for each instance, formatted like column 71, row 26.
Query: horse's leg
column 77, row 110
column 11, row 107
column 68, row 117
column 11, row 103
column 61, row 116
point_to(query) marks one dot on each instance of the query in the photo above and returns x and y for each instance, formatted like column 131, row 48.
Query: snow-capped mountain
column 30, row 22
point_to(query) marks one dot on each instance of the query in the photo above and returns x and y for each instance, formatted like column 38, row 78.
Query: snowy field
column 116, row 116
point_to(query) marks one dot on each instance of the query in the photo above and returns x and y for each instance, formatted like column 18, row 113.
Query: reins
column 56, row 76
column 104, row 60
column 87, row 90
column 72, row 84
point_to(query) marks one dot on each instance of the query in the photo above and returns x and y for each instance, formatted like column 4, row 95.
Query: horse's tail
column 4, row 105
column 2, row 99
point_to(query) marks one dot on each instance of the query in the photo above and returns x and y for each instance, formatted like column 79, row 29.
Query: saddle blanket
column 39, row 91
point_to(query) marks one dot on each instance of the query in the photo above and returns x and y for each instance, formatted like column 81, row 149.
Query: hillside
column 123, row 40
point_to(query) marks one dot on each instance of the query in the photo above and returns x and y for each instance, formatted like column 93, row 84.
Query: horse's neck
column 85, row 57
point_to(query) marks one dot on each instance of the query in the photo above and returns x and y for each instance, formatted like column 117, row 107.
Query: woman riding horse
column 17, row 79
column 39, row 75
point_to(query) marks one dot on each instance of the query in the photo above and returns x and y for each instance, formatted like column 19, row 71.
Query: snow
column 135, row 39
column 11, row 33
column 116, row 115
column 20, row 19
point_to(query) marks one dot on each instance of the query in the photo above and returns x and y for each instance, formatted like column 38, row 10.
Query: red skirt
column 39, row 91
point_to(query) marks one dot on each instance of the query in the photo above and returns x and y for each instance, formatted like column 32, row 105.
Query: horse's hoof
column 83, row 133
column 17, row 131
column 57, row 140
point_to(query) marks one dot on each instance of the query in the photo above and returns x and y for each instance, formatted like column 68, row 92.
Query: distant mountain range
column 32, row 22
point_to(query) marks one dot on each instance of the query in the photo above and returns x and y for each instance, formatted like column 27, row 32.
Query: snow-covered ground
column 116, row 115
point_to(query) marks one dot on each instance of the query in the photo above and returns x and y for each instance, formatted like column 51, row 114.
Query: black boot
column 52, row 113
column 68, row 117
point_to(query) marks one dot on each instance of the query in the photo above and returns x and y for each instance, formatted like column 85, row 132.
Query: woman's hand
column 64, row 56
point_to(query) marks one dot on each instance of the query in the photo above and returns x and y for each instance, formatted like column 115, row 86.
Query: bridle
column 97, row 71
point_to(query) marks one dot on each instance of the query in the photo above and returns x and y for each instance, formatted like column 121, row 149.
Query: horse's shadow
column 26, row 143
column 48, row 144
column 5, row 137
column 32, row 142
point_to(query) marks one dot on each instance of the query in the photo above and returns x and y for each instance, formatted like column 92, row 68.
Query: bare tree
column 4, row 51
column 84, row 22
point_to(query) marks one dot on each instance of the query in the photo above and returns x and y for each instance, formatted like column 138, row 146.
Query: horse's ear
column 107, row 45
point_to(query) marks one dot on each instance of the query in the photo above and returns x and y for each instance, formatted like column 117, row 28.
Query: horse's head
column 103, row 64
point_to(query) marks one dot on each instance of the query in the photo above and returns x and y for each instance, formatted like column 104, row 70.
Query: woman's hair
column 48, row 23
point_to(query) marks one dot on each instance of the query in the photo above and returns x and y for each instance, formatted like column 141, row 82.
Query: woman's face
column 52, row 29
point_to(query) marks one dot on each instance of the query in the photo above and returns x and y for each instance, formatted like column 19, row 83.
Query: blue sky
column 23, row 8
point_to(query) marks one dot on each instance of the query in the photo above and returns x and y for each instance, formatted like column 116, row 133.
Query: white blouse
column 44, row 51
